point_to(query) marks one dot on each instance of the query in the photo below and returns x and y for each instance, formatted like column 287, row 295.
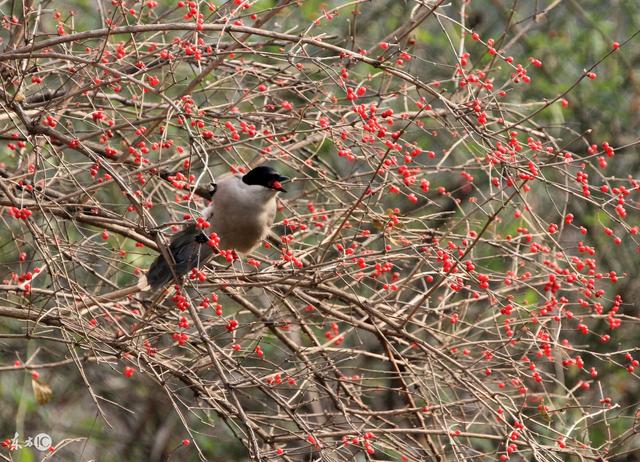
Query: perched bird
column 241, row 214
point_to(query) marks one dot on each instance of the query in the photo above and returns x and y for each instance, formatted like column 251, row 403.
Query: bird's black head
column 265, row 176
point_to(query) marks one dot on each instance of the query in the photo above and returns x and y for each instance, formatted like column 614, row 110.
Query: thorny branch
column 416, row 298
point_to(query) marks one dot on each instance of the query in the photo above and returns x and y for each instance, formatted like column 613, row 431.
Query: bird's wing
column 188, row 248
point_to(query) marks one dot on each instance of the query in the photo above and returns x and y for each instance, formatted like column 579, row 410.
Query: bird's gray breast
column 242, row 220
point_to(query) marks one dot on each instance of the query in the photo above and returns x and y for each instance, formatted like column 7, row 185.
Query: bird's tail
column 158, row 275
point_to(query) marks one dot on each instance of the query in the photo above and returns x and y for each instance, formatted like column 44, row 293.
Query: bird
column 241, row 213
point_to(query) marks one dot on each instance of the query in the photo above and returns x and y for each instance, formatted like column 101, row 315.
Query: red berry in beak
column 277, row 186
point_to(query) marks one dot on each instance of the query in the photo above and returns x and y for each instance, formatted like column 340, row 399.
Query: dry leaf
column 42, row 391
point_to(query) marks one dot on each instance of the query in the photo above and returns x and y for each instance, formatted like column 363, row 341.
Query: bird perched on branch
column 241, row 215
